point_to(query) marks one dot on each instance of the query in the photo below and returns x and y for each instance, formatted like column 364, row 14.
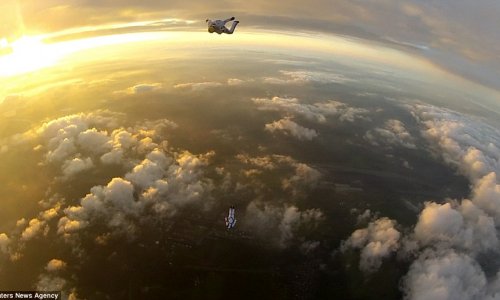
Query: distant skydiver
column 219, row 26
column 230, row 220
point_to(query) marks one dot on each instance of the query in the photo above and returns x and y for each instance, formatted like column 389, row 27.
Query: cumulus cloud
column 143, row 88
column 55, row 265
column 50, row 283
column 449, row 238
column 94, row 141
column 445, row 275
column 394, row 133
column 377, row 241
column 317, row 112
column 75, row 143
column 302, row 77
column 161, row 183
column 464, row 142
column 153, row 183
column 4, row 243
column 281, row 224
column 303, row 176
column 35, row 228
column 288, row 126
column 75, row 166
column 197, row 86
column 235, row 81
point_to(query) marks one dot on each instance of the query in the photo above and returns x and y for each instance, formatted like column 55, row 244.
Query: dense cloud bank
column 450, row 236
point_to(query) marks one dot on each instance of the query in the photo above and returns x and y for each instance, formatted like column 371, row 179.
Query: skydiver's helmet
column 211, row 28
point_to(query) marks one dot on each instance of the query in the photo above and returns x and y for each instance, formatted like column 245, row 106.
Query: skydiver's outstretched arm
column 233, row 27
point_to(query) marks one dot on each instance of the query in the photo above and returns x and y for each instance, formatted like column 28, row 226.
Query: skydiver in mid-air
column 219, row 26
column 230, row 219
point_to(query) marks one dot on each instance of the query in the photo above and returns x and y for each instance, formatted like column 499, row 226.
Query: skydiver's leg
column 227, row 20
column 233, row 27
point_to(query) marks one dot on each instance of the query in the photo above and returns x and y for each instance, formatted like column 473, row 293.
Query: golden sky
column 459, row 35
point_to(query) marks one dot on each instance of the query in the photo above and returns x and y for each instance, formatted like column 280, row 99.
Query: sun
column 27, row 54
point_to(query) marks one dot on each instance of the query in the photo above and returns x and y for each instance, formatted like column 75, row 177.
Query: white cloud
column 377, row 241
column 445, row 275
column 449, row 237
column 144, row 88
column 197, row 86
column 94, row 141
column 50, row 213
column 35, row 227
column 55, row 265
column 50, row 283
column 280, row 224
column 317, row 112
column 72, row 167
column 344, row 112
column 302, row 77
column 235, row 81
column 394, row 133
column 162, row 182
column 291, row 106
column 4, row 243
column 464, row 142
column 290, row 127
column 305, row 176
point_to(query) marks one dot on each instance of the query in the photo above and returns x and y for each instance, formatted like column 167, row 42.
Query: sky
column 458, row 35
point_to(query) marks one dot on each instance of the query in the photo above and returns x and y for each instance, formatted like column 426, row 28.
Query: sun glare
column 27, row 54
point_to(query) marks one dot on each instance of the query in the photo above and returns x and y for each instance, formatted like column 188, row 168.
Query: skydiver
column 230, row 219
column 219, row 26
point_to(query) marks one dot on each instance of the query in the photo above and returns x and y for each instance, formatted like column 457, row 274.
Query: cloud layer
column 449, row 238
column 143, row 181
column 288, row 126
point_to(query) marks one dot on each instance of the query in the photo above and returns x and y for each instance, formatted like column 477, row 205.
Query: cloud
column 75, row 143
column 235, row 81
column 303, row 77
column 303, row 176
column 317, row 112
column 145, row 88
column 291, row 106
column 344, row 112
column 50, row 283
column 159, row 184
column 449, row 238
column 4, row 243
column 35, row 227
column 394, row 133
column 290, row 127
column 445, row 275
column 94, row 141
column 55, row 265
column 141, row 88
column 197, row 86
column 463, row 226
column 281, row 224
column 377, row 241
column 463, row 142
column 75, row 166
column 151, row 186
